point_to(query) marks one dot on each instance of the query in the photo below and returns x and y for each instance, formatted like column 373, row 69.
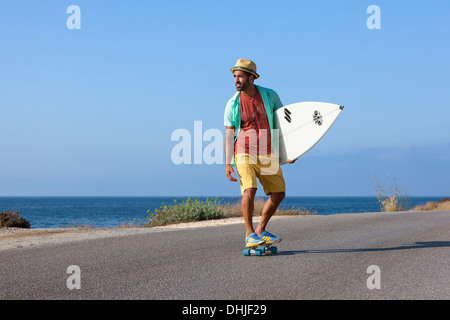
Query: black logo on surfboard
column 287, row 115
column 317, row 118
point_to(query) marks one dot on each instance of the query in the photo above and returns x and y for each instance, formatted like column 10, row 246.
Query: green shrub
column 187, row 210
column 12, row 219
column 197, row 210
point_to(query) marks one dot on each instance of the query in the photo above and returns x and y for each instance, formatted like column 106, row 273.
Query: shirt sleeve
column 277, row 104
column 228, row 118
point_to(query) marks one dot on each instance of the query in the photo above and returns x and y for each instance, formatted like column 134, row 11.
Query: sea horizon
column 113, row 211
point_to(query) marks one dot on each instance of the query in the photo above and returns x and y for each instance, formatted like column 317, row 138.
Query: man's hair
column 249, row 74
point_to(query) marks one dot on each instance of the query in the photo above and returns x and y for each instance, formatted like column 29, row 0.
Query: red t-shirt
column 255, row 130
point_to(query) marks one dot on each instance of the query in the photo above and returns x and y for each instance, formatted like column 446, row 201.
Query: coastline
column 19, row 238
column 22, row 238
column 112, row 212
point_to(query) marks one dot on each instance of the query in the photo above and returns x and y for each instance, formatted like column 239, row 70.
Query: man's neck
column 250, row 91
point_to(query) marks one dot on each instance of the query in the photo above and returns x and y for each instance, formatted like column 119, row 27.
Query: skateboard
column 261, row 250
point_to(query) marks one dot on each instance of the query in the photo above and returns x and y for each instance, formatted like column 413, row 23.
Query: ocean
column 110, row 212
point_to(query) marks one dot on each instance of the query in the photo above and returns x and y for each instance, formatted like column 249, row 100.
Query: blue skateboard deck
column 260, row 250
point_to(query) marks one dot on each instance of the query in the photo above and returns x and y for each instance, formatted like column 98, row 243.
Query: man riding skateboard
column 251, row 145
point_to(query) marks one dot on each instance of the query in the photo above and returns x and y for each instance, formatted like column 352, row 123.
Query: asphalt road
column 320, row 257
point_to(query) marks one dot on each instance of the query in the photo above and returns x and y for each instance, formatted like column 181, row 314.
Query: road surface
column 348, row 256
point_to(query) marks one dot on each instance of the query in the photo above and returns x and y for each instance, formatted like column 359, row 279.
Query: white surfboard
column 301, row 125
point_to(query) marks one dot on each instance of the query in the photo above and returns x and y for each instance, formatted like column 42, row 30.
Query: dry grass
column 443, row 204
column 234, row 210
column 12, row 219
column 76, row 225
column 391, row 204
column 390, row 198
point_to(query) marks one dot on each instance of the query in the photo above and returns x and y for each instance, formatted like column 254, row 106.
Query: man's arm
column 229, row 153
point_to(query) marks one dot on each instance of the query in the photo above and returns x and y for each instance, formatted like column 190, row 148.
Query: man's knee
column 277, row 197
column 249, row 193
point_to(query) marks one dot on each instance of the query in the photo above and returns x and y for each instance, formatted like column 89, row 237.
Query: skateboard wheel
column 273, row 249
column 258, row 253
column 246, row 252
column 262, row 248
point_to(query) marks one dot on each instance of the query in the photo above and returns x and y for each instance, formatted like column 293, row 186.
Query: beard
column 242, row 86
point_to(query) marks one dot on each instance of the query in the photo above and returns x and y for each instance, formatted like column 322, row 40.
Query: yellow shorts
column 265, row 168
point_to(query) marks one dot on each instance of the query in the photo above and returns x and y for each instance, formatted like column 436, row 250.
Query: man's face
column 242, row 80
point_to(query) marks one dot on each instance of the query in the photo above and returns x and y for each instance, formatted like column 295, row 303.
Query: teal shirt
column 232, row 116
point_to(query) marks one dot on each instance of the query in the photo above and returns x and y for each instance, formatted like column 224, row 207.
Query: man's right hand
column 229, row 171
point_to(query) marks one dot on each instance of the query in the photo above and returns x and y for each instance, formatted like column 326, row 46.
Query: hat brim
column 248, row 70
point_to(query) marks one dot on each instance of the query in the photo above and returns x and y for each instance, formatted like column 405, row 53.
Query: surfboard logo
column 287, row 115
column 317, row 118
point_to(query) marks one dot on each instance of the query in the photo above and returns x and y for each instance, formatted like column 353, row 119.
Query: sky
column 91, row 111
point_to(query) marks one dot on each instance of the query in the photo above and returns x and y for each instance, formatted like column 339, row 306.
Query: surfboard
column 302, row 125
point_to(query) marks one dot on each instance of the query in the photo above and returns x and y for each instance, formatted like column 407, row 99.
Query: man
column 251, row 145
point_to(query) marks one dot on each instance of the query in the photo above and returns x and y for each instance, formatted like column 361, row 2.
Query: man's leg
column 269, row 209
column 247, row 206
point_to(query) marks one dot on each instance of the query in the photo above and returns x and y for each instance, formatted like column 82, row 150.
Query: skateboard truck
column 260, row 250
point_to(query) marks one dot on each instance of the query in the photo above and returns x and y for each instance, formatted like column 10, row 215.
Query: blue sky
column 91, row 111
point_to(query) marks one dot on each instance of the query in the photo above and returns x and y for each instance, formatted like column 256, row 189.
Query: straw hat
column 247, row 66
